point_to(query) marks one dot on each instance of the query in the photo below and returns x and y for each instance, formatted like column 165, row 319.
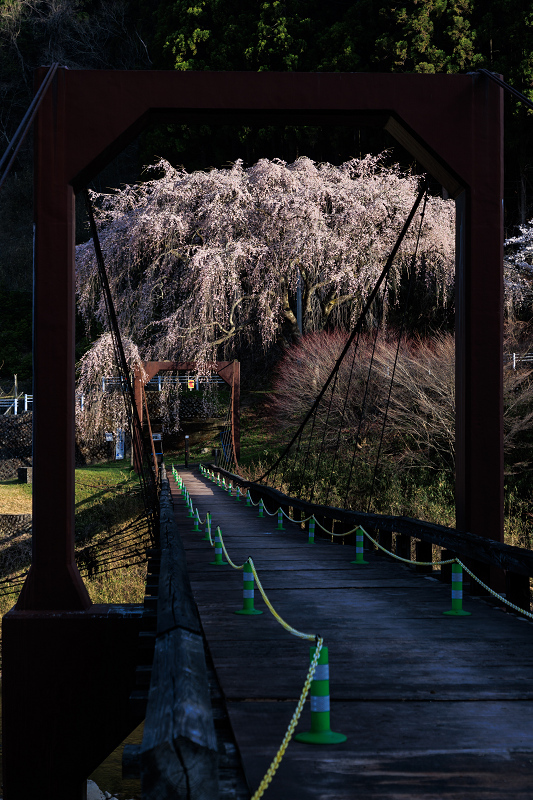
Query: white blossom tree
column 100, row 408
column 198, row 261
column 518, row 269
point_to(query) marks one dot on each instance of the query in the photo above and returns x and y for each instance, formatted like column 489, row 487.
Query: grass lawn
column 107, row 505
column 15, row 497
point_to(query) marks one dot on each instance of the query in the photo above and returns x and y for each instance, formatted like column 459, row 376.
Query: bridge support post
column 517, row 590
column 88, row 660
column 403, row 546
column 479, row 323
column 424, row 552
column 385, row 540
column 446, row 569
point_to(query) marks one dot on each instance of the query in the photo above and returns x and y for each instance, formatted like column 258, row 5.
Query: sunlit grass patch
column 15, row 497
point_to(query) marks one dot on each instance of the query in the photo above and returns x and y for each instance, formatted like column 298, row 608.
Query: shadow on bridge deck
column 433, row 706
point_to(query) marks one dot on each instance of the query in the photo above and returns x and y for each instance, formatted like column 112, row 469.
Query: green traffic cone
column 207, row 528
column 248, row 592
column 219, row 560
column 359, row 538
column 320, row 732
column 457, row 593
column 196, row 528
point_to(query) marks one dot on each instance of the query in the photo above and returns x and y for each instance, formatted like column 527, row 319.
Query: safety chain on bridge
column 319, row 642
column 358, row 528
column 457, row 567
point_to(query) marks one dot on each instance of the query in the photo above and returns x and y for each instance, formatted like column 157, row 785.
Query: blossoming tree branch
column 201, row 264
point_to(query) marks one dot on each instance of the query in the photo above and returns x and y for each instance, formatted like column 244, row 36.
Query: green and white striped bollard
column 311, row 538
column 219, row 559
column 261, row 508
column 320, row 732
column 207, row 528
column 238, row 494
column 248, row 498
column 359, row 539
column 457, row 593
column 196, row 528
column 248, row 592
column 280, row 519
column 191, row 513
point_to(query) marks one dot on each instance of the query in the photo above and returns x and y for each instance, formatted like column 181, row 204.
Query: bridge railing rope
column 480, row 553
column 323, row 730
column 493, row 552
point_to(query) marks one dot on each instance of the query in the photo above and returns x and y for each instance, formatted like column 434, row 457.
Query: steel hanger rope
column 400, row 336
column 358, row 326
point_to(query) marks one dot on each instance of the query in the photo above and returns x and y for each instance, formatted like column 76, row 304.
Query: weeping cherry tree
column 201, row 262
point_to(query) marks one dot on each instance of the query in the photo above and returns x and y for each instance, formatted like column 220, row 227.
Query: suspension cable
column 507, row 87
column 400, row 335
column 358, row 327
column 25, row 125
column 148, row 487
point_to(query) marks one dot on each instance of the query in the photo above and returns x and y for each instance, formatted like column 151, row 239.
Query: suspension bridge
column 471, row 736
column 433, row 703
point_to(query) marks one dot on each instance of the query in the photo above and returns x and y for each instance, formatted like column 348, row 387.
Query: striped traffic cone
column 191, row 512
column 311, row 539
column 196, row 528
column 248, row 592
column 238, row 494
column 248, row 498
column 230, row 488
column 280, row 519
column 457, row 593
column 320, row 732
column 261, row 508
column 359, row 539
column 219, row 560
column 207, row 529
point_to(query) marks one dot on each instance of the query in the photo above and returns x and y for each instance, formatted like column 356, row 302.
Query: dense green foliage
column 428, row 36
column 15, row 335
column 364, row 36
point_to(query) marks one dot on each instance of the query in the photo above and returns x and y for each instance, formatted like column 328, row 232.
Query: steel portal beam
column 229, row 371
column 451, row 123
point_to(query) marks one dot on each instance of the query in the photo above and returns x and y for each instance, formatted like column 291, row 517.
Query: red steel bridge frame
column 229, row 371
column 66, row 662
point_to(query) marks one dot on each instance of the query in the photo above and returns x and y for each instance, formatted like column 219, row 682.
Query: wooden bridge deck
column 433, row 706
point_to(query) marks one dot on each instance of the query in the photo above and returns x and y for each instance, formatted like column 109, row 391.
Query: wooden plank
column 179, row 748
column 384, row 756
column 465, row 544
column 404, row 677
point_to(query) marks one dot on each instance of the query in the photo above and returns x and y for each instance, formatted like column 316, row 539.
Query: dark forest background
column 451, row 36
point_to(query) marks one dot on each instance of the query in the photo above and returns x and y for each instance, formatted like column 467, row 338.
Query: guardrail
column 178, row 755
column 160, row 380
column 517, row 359
column 16, row 405
column 480, row 553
